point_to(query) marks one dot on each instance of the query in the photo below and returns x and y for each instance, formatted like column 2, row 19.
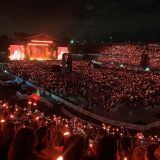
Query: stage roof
column 41, row 37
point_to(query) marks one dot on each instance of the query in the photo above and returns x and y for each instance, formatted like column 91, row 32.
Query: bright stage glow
column 61, row 50
column 16, row 52
column 39, row 52
column 37, row 44
column 38, row 59
column 37, row 41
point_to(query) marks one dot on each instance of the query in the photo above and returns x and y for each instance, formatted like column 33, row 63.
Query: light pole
column 89, row 7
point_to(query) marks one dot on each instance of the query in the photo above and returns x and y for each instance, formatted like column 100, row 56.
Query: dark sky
column 120, row 19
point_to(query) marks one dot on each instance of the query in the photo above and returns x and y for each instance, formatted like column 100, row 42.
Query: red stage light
column 37, row 41
column 37, row 44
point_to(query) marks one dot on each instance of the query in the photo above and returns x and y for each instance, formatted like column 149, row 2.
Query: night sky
column 123, row 20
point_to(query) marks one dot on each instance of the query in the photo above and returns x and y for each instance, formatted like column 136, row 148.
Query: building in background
column 4, row 44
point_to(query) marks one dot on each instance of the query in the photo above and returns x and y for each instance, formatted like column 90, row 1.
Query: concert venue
column 112, row 88
column 80, row 80
column 38, row 47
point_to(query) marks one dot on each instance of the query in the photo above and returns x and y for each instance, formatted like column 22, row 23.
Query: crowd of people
column 129, row 54
column 91, row 87
column 28, row 134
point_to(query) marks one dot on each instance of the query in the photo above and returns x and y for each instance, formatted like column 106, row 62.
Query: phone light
column 60, row 158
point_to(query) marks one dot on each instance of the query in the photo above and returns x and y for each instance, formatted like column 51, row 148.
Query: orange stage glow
column 39, row 51
column 61, row 50
column 37, row 44
column 37, row 41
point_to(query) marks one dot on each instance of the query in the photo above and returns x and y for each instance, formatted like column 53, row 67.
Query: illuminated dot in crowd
column 121, row 65
column 60, row 158
column 147, row 69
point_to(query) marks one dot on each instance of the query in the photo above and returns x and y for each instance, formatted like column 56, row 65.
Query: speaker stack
column 144, row 61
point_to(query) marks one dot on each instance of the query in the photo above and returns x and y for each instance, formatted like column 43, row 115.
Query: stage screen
column 61, row 50
column 16, row 52
column 39, row 52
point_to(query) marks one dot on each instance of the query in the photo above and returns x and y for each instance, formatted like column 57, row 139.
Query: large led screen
column 61, row 50
column 39, row 51
column 16, row 52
